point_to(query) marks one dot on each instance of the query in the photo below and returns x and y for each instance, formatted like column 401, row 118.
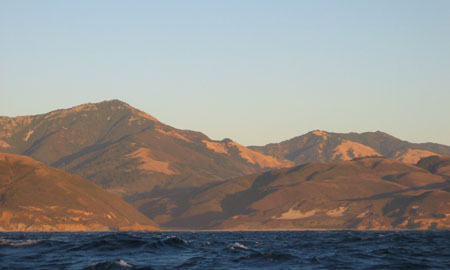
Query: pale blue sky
column 253, row 71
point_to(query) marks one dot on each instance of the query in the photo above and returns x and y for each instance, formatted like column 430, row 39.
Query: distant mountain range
column 35, row 197
column 322, row 146
column 162, row 171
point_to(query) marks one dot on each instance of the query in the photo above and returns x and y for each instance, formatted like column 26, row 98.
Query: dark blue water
column 227, row 250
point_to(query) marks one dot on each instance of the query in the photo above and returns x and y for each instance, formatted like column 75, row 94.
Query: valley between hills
column 109, row 166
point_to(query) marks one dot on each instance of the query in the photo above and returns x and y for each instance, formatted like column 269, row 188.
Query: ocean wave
column 171, row 241
column 190, row 263
column 110, row 265
column 112, row 242
column 116, row 265
column 175, row 241
column 227, row 250
column 273, row 256
column 17, row 243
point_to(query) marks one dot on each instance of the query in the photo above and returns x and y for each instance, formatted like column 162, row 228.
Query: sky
column 253, row 71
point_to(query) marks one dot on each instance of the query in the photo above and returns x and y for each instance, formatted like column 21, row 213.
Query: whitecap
column 17, row 243
column 123, row 263
column 238, row 245
column 110, row 265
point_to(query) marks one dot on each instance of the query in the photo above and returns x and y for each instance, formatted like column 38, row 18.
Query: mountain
column 365, row 193
column 129, row 152
column 322, row 146
column 35, row 197
column 180, row 178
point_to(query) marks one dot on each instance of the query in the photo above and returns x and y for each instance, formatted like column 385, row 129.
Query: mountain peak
column 115, row 100
column 106, row 107
column 115, row 104
column 320, row 133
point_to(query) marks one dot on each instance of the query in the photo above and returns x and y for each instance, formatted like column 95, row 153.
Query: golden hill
column 35, row 197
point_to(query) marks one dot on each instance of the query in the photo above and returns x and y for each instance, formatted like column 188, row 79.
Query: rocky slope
column 35, row 197
column 321, row 146
column 366, row 193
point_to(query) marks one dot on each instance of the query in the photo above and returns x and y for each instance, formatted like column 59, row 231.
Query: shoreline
column 232, row 231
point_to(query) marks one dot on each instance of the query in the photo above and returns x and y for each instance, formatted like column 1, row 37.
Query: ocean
column 227, row 250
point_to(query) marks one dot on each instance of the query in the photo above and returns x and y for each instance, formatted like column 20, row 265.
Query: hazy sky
column 254, row 71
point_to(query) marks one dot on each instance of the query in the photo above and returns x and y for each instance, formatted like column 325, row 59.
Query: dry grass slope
column 35, row 197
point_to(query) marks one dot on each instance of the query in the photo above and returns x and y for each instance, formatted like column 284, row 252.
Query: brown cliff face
column 366, row 193
column 321, row 146
column 35, row 197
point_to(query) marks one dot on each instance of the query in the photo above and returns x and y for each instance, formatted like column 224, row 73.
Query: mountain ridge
column 129, row 152
column 322, row 146
column 68, row 139
column 159, row 169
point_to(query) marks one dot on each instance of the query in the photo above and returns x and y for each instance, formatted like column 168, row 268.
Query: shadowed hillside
column 436, row 164
column 35, row 197
column 365, row 193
